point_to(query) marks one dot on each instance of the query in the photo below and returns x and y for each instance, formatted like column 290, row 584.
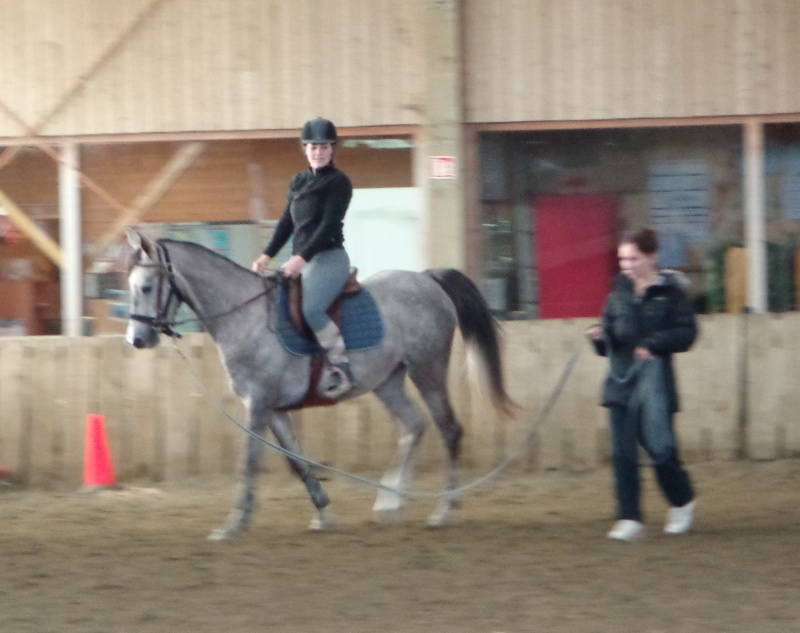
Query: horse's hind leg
column 432, row 386
column 392, row 394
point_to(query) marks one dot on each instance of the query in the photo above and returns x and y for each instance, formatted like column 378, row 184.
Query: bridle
column 161, row 322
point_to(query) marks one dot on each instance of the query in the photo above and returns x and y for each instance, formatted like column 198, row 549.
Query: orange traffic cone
column 5, row 476
column 98, row 466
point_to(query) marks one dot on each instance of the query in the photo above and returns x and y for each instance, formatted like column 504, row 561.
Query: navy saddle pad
column 362, row 325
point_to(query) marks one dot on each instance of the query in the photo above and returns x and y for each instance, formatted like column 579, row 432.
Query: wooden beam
column 377, row 131
column 154, row 191
column 42, row 240
column 601, row 124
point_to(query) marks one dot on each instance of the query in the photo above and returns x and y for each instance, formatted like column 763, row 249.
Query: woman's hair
column 646, row 240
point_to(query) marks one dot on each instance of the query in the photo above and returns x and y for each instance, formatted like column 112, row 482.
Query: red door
column 575, row 253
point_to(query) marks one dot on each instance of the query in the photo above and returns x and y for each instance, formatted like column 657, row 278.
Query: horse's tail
column 479, row 328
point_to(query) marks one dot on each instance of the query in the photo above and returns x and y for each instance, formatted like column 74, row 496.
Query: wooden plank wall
column 217, row 187
column 194, row 65
column 163, row 427
column 220, row 184
column 541, row 60
column 209, row 65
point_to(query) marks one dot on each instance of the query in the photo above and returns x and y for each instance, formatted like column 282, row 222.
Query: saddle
column 294, row 292
column 295, row 296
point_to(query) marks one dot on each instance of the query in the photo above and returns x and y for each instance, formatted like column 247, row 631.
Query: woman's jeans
column 671, row 476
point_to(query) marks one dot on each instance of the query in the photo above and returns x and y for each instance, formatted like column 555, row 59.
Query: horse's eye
column 146, row 290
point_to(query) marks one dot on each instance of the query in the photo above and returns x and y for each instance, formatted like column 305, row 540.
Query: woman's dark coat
column 314, row 213
column 662, row 320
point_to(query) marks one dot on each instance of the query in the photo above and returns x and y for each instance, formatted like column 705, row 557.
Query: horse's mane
column 204, row 249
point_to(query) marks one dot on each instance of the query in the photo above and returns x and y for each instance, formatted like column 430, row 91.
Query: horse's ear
column 141, row 242
column 134, row 239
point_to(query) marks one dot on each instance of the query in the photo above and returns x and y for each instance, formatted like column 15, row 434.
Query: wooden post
column 755, row 239
column 69, row 215
column 440, row 155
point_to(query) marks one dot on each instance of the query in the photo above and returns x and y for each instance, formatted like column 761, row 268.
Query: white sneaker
column 680, row 519
column 626, row 530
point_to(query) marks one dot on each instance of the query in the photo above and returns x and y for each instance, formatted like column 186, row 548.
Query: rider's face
column 318, row 154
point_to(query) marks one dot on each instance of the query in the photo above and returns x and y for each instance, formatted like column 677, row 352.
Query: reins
column 167, row 326
column 633, row 372
column 504, row 464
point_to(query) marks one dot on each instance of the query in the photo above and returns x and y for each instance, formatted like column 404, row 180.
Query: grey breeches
column 323, row 279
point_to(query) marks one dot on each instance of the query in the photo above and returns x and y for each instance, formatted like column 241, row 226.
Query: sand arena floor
column 526, row 554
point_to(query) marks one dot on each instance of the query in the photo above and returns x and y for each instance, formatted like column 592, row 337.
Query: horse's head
column 153, row 296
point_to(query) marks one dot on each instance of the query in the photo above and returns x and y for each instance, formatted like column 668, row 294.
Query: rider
column 313, row 216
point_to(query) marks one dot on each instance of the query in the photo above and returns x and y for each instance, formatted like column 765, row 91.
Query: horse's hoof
column 220, row 534
column 226, row 533
column 440, row 518
column 323, row 522
column 234, row 525
column 387, row 505
column 387, row 515
column 438, row 521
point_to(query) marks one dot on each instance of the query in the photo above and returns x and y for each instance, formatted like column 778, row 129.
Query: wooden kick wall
column 162, row 426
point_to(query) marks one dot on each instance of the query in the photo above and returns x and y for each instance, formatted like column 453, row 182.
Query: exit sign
column 443, row 167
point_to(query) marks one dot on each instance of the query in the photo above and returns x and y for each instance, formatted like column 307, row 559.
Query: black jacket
column 662, row 321
column 314, row 213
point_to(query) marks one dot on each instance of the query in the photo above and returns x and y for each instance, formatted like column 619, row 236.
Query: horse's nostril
column 138, row 343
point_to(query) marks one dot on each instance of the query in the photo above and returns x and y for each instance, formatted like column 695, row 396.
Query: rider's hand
column 294, row 266
column 642, row 353
column 260, row 265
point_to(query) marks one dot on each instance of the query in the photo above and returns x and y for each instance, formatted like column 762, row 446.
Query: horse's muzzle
column 142, row 336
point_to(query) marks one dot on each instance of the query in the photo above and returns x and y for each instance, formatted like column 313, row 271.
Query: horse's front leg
column 239, row 517
column 281, row 425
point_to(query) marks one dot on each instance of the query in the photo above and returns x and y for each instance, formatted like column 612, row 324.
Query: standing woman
column 314, row 217
column 647, row 318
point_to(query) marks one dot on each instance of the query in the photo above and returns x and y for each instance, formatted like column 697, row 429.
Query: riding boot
column 337, row 380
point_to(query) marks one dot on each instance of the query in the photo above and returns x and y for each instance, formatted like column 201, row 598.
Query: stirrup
column 338, row 380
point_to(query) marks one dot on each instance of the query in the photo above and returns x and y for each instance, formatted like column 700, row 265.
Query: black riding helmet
column 318, row 130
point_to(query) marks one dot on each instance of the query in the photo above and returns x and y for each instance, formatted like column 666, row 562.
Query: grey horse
column 420, row 311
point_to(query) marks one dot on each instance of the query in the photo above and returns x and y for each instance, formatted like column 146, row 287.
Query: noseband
column 160, row 322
